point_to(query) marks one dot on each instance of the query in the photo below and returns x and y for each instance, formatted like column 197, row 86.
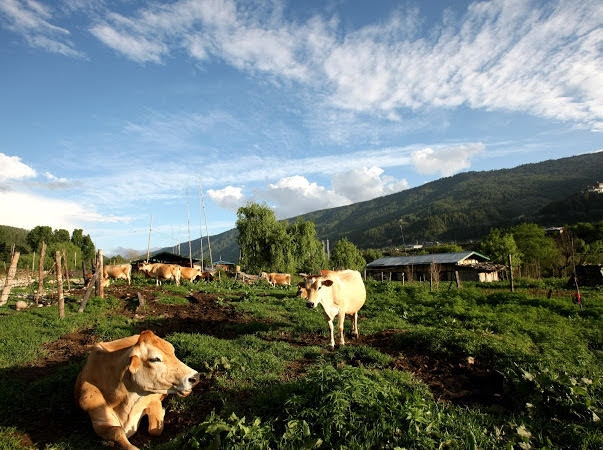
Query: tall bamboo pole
column 40, row 292
column 59, row 271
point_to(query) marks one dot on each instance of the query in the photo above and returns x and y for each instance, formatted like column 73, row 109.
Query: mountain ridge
column 460, row 208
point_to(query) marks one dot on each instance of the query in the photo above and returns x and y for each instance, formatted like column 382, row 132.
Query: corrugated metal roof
column 437, row 258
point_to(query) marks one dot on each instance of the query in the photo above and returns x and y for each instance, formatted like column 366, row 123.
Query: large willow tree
column 271, row 245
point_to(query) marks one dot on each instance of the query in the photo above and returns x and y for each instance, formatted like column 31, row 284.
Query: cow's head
column 154, row 368
column 301, row 290
column 314, row 285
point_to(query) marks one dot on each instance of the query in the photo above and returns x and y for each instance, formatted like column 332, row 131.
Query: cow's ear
column 327, row 283
column 135, row 364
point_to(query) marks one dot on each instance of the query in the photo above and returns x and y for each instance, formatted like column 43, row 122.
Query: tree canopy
column 270, row 245
column 346, row 255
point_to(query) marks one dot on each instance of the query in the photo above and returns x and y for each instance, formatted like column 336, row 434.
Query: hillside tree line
column 78, row 246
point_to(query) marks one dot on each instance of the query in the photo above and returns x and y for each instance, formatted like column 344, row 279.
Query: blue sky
column 116, row 112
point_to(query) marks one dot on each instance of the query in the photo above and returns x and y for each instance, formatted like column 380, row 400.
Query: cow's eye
column 155, row 359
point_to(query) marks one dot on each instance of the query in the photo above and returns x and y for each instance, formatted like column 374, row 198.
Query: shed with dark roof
column 469, row 266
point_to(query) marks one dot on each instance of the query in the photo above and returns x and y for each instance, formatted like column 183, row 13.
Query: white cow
column 340, row 293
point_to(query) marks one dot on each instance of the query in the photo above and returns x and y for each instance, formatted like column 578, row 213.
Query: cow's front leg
column 340, row 324
column 115, row 434
column 156, row 413
column 332, row 345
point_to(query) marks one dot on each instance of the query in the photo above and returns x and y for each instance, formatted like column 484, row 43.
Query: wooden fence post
column 40, row 292
column 91, row 286
column 9, row 278
column 511, row 273
column 66, row 270
column 99, row 292
column 59, row 270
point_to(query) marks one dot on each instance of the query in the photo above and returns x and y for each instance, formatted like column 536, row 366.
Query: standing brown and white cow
column 340, row 293
column 277, row 279
column 117, row 271
column 126, row 379
column 160, row 271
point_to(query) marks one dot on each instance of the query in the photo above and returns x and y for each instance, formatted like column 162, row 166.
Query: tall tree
column 77, row 237
column 307, row 249
column 262, row 239
column 39, row 234
column 346, row 255
column 88, row 250
column 60, row 235
column 539, row 250
column 498, row 245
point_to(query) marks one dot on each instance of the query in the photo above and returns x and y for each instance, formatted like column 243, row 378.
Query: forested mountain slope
column 461, row 207
column 464, row 206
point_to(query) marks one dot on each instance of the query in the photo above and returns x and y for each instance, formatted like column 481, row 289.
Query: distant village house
column 467, row 266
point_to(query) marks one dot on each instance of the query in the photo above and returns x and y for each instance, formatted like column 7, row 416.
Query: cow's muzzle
column 311, row 305
column 194, row 380
column 187, row 385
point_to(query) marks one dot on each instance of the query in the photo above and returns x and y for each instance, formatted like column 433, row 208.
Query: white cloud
column 53, row 179
column 542, row 58
column 366, row 183
column 230, row 197
column 11, row 168
column 33, row 20
column 500, row 55
column 296, row 195
column 135, row 46
column 29, row 211
column 447, row 160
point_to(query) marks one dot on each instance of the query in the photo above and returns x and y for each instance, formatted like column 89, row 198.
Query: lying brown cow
column 277, row 279
column 126, row 379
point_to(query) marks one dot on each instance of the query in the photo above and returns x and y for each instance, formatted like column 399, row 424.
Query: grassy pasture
column 478, row 367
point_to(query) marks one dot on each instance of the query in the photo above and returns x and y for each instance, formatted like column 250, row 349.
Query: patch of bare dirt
column 460, row 381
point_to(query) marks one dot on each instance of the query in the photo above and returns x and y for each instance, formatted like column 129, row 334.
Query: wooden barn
column 168, row 258
column 467, row 266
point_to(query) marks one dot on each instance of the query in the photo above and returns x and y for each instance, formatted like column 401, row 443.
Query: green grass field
column 476, row 367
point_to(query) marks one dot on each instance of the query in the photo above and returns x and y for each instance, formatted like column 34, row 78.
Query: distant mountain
column 459, row 208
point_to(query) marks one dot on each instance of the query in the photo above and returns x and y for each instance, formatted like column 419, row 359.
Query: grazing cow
column 340, row 293
column 207, row 275
column 161, row 271
column 190, row 273
column 126, row 379
column 117, row 271
column 277, row 279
